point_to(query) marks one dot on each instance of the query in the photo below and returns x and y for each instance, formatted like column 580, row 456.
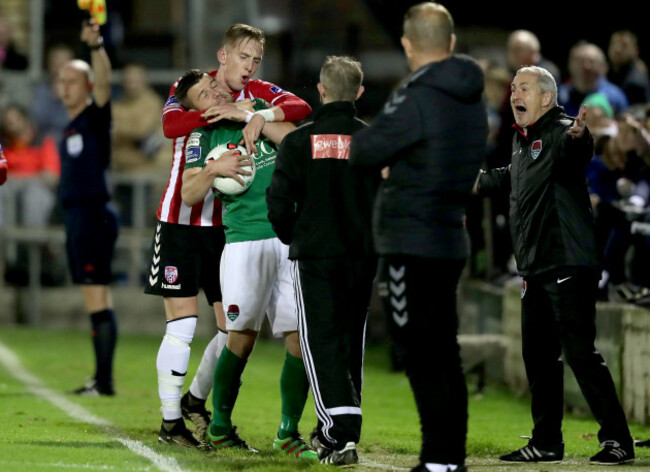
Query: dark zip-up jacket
column 432, row 134
column 551, row 222
column 317, row 203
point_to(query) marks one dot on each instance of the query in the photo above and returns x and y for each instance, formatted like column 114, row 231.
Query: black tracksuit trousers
column 332, row 323
column 558, row 320
column 419, row 298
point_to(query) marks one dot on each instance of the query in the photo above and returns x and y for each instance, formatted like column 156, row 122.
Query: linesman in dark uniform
column 90, row 222
column 431, row 133
column 321, row 207
column 552, row 230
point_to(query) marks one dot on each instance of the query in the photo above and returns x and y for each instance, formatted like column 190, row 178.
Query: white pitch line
column 66, row 466
column 34, row 384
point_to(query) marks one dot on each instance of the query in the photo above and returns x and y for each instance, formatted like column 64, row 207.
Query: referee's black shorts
column 185, row 258
column 91, row 232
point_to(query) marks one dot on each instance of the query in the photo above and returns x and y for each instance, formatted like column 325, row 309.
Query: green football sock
column 294, row 388
column 227, row 379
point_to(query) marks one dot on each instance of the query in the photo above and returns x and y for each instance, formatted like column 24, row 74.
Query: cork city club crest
column 233, row 312
column 536, row 148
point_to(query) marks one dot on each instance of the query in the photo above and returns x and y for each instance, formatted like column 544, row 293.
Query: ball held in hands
column 228, row 185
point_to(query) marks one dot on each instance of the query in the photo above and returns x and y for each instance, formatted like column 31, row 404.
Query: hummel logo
column 562, row 280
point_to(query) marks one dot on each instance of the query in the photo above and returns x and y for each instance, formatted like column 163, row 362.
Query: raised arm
column 99, row 61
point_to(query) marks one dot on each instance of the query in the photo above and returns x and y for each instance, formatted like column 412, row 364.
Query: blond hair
column 240, row 32
column 341, row 76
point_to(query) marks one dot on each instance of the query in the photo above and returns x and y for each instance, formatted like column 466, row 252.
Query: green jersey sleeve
column 197, row 148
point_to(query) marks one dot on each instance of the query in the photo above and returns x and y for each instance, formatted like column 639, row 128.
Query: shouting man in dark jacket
column 432, row 135
column 554, row 244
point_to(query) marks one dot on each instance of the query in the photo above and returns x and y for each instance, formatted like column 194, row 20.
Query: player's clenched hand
column 578, row 127
column 230, row 164
column 247, row 104
column 228, row 111
column 252, row 133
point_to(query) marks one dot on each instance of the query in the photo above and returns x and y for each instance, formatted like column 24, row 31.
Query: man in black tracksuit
column 321, row 207
column 432, row 134
column 553, row 236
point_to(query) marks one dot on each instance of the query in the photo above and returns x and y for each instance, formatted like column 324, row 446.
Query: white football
column 228, row 185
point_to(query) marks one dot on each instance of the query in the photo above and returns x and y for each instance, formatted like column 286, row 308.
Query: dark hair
column 189, row 80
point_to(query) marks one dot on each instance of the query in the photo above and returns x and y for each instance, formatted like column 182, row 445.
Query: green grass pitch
column 43, row 429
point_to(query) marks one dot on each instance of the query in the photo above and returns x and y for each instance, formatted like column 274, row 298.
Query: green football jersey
column 245, row 215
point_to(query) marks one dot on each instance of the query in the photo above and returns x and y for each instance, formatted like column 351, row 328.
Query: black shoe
column 179, row 435
column 612, row 454
column 532, row 453
column 346, row 456
column 93, row 389
column 321, row 449
column 197, row 414
column 645, row 443
column 422, row 468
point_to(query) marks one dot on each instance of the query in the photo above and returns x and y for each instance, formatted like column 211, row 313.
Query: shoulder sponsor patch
column 192, row 153
column 536, row 148
column 194, row 139
column 276, row 89
column 330, row 146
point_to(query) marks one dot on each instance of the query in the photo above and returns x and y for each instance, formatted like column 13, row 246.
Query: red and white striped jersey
column 178, row 123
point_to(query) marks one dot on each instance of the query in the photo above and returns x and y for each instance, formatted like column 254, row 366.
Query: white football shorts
column 256, row 281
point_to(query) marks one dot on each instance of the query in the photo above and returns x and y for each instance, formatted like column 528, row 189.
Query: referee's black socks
column 104, row 334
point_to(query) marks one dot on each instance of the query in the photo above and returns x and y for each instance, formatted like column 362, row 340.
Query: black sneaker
column 423, row 468
column 93, row 389
column 197, row 414
column 346, row 456
column 321, row 449
column 532, row 453
column 645, row 443
column 229, row 440
column 179, row 435
column 612, row 454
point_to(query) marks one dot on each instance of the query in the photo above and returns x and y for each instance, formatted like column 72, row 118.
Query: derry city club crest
column 171, row 274
column 536, row 148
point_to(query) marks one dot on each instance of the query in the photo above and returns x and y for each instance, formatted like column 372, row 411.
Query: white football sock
column 172, row 361
column 204, row 378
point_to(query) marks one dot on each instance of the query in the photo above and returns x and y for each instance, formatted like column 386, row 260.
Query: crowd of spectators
column 613, row 83
column 615, row 87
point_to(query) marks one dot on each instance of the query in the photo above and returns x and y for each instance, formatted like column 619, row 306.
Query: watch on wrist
column 99, row 45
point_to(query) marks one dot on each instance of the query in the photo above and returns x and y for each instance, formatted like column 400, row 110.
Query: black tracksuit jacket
column 431, row 133
column 551, row 222
column 319, row 204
